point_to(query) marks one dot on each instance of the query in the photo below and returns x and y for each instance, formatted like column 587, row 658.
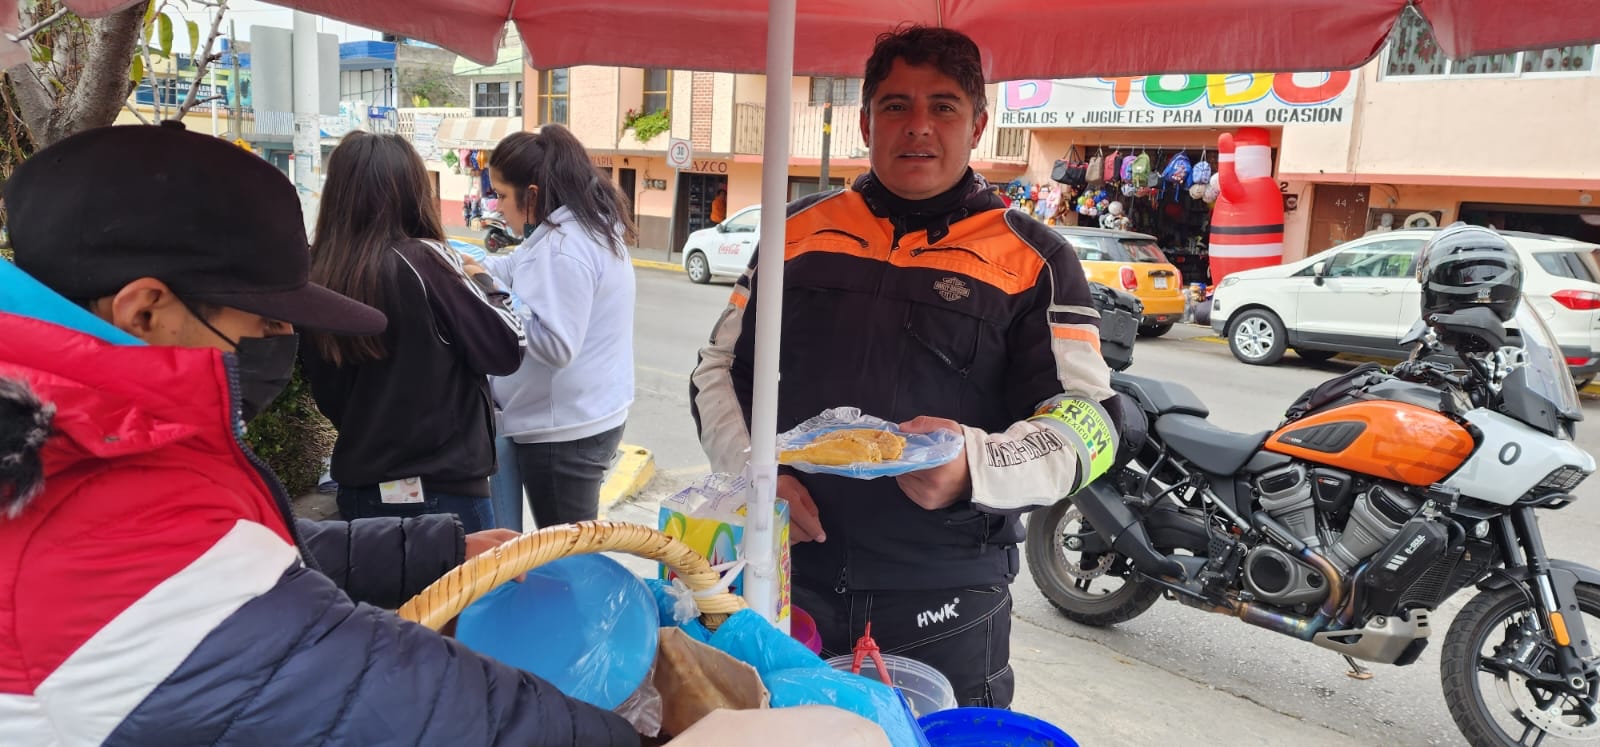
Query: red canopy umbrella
column 1019, row 38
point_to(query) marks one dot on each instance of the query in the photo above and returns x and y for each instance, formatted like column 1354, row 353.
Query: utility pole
column 235, row 123
column 307, row 119
column 212, row 69
column 827, row 129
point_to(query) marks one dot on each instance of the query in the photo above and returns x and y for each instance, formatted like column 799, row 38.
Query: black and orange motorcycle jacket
column 953, row 307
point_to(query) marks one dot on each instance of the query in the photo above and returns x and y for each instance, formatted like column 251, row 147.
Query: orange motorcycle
column 1381, row 495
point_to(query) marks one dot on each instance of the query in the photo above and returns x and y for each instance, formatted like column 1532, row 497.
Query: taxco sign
column 1179, row 100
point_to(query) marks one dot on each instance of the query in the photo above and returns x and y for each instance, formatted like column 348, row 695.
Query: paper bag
column 695, row 679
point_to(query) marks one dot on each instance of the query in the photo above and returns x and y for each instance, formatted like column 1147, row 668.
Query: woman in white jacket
column 565, row 408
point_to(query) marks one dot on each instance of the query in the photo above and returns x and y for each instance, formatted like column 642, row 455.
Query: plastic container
column 583, row 623
column 803, row 628
column 926, row 689
column 990, row 727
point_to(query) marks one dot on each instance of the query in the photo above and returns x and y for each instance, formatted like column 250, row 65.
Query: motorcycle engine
column 1381, row 523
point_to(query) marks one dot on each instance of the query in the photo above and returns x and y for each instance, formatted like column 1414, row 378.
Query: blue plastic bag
column 867, row 698
column 794, row 676
column 923, row 450
column 748, row 637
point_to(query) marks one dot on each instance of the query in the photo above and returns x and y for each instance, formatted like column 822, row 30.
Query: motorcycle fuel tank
column 1392, row 440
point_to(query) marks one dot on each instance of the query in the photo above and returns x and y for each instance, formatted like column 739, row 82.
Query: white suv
column 1362, row 297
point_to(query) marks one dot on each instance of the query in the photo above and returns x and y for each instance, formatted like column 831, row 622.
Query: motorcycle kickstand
column 1357, row 672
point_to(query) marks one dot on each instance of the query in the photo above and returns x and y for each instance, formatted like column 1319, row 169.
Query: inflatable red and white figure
column 1247, row 222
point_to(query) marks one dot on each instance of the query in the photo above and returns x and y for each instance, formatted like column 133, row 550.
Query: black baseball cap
column 217, row 224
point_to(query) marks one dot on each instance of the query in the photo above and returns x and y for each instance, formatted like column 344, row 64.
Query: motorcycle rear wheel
column 1489, row 620
column 1061, row 578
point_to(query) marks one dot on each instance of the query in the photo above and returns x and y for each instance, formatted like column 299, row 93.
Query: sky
column 245, row 13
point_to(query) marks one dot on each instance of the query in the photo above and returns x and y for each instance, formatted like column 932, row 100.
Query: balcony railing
column 1007, row 146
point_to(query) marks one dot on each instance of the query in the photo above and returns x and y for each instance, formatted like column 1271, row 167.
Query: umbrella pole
column 762, row 583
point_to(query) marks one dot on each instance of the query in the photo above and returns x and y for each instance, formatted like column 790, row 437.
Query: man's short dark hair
column 950, row 52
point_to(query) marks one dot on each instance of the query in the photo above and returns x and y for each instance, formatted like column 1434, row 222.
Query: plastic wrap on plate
column 844, row 442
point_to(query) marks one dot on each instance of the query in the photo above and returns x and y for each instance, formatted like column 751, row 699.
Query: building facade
column 626, row 118
column 1408, row 139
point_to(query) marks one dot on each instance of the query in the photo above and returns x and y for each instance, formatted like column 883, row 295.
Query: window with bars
column 516, row 104
column 846, row 91
column 1413, row 52
column 491, row 100
column 375, row 86
column 657, row 90
column 551, row 101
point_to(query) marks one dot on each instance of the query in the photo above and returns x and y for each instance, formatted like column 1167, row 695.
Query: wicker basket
column 455, row 591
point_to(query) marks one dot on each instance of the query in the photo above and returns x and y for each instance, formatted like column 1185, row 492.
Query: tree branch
column 28, row 33
column 203, row 62
column 34, row 98
column 102, row 88
column 134, row 112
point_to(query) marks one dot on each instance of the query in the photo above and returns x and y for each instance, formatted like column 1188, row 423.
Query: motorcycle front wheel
column 1077, row 584
column 1493, row 646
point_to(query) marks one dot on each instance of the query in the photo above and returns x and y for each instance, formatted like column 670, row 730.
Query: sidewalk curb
column 1590, row 389
column 630, row 476
column 651, row 264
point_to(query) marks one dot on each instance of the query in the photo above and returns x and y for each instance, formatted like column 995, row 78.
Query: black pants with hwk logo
column 963, row 633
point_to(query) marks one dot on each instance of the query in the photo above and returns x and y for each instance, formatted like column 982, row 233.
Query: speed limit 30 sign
column 679, row 153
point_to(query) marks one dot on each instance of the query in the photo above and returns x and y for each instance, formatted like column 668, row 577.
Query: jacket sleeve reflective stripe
column 86, row 697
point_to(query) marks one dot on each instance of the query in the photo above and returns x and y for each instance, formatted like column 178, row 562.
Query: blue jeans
column 476, row 514
column 505, row 485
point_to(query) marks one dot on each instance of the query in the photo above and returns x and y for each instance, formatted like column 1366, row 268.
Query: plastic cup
column 803, row 628
column 926, row 689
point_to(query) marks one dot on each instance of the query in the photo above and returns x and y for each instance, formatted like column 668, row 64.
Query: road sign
column 679, row 153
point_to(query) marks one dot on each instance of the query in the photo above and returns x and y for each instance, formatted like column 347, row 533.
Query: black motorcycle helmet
column 1464, row 266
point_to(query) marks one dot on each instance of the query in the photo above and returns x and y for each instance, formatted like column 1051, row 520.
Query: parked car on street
column 723, row 250
column 1363, row 297
column 1131, row 262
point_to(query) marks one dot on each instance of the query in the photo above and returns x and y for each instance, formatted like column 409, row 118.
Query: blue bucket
column 584, row 624
column 990, row 727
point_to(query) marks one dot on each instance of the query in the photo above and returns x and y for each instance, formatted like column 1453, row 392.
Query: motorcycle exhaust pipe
column 1102, row 506
column 1282, row 622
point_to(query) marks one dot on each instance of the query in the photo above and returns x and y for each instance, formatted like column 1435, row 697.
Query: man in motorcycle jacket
column 918, row 298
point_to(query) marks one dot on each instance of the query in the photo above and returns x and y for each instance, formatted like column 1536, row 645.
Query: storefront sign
column 425, row 130
column 1179, row 101
column 704, row 166
column 603, row 162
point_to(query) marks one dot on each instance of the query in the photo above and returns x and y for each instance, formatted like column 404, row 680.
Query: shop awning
column 475, row 133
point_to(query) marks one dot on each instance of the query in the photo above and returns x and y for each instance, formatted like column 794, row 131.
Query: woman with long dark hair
column 412, row 405
column 565, row 408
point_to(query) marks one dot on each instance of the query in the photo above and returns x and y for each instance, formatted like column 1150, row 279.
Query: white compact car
column 723, row 250
column 1362, row 297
